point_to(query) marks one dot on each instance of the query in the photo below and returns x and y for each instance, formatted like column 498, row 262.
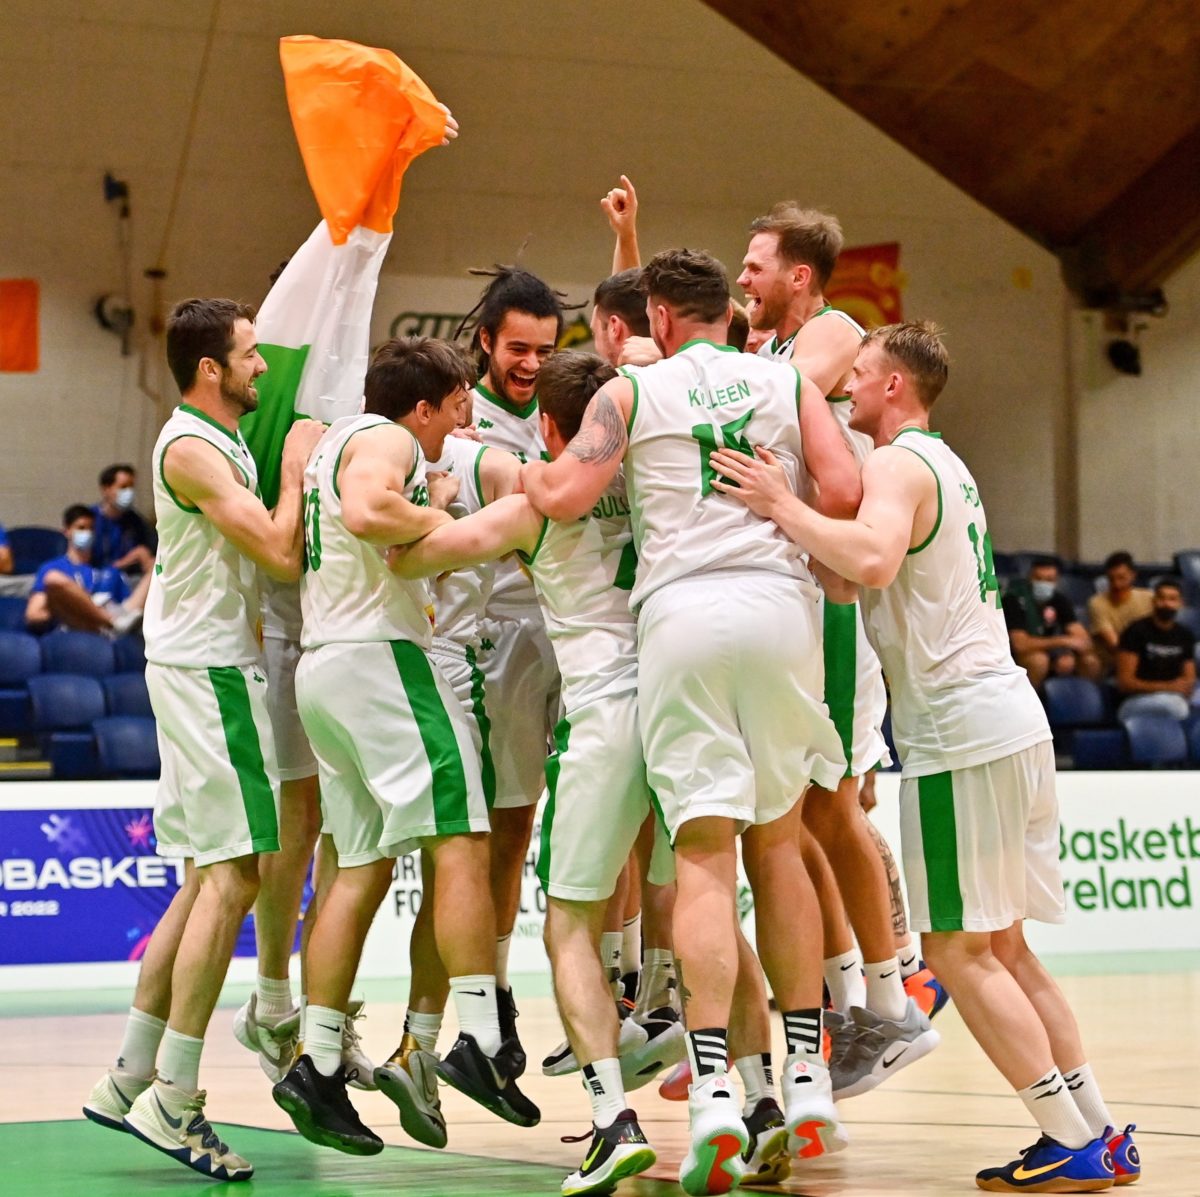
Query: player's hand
column 866, row 793
column 620, row 206
column 301, row 440
column 451, row 126
column 639, row 351
column 468, row 432
column 443, row 489
column 759, row 481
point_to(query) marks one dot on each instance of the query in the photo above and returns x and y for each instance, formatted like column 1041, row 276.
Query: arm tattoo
column 603, row 434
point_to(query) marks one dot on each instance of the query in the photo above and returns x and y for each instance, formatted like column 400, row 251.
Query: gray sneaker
column 868, row 1049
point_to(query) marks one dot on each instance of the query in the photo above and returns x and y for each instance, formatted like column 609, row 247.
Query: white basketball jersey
column 459, row 597
column 958, row 697
column 703, row 398
column 347, row 592
column 583, row 572
column 202, row 610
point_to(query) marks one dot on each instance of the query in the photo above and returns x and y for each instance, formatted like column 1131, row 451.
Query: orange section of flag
column 18, row 325
column 360, row 116
column 866, row 284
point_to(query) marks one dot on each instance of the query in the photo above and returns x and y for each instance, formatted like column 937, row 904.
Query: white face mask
column 82, row 539
column 1043, row 591
column 124, row 497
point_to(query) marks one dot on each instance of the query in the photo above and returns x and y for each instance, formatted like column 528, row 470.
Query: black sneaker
column 616, row 1151
column 506, row 1007
column 491, row 1081
column 766, row 1157
column 321, row 1111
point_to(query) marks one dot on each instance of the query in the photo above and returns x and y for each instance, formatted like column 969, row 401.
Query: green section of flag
column 266, row 429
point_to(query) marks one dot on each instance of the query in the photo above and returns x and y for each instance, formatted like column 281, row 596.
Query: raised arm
column 570, row 486
column 495, row 530
column 827, row 457
column 620, row 206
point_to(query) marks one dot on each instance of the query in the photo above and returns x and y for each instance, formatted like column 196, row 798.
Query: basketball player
column 979, row 818
column 397, row 766
column 723, row 605
column 217, row 802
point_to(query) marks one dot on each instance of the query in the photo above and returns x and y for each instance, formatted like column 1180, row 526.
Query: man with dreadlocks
column 517, row 325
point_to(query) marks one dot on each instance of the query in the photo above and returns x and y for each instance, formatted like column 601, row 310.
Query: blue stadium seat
column 19, row 661
column 1193, row 735
column 126, row 694
column 12, row 613
column 32, row 546
column 127, row 746
column 1079, row 590
column 1187, row 566
column 1074, row 702
column 64, row 706
column 78, row 652
column 130, row 653
column 1189, row 618
column 1156, row 740
column 1100, row 748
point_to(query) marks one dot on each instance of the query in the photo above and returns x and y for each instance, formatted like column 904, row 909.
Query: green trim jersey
column 516, row 430
column 958, row 697
column 347, row 593
column 685, row 407
column 202, row 610
column 459, row 597
column 583, row 572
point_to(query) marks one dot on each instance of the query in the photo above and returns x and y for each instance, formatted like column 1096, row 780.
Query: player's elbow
column 878, row 571
column 842, row 495
column 563, row 506
column 282, row 569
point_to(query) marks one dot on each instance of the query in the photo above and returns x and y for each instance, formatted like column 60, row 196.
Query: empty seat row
column 111, row 746
column 42, row 702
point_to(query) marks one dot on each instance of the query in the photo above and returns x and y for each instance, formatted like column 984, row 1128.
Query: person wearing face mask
column 1110, row 613
column 71, row 591
column 1156, row 666
column 1043, row 629
column 124, row 539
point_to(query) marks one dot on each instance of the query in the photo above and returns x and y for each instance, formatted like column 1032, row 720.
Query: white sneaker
column 808, row 1110
column 172, row 1120
column 274, row 1038
column 879, row 1048
column 360, row 1072
column 409, row 1079
column 112, row 1095
column 650, row 1041
column 714, row 1162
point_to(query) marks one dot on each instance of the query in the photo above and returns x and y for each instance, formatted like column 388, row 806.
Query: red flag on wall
column 866, row 284
column 18, row 325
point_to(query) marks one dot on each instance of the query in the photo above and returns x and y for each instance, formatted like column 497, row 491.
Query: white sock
column 843, row 975
column 1083, row 1088
column 323, row 1038
column 303, row 1016
column 503, row 943
column 424, row 1028
column 139, row 1047
column 655, row 983
column 602, row 1082
column 1054, row 1110
column 757, row 1079
column 273, row 997
column 179, row 1060
column 475, row 1001
column 885, row 990
column 909, row 958
column 610, row 959
column 631, row 945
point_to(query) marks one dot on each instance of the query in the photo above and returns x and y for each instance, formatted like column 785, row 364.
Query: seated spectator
column 1156, row 669
column 69, row 591
column 6, row 560
column 123, row 538
column 1109, row 614
column 1044, row 631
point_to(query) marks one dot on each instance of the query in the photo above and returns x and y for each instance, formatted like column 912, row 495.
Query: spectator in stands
column 70, row 591
column 1109, row 614
column 123, row 538
column 1043, row 629
column 1156, row 667
column 6, row 560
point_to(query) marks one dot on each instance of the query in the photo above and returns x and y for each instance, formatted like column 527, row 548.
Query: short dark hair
column 566, row 383
column 200, row 328
column 77, row 511
column 407, row 370
column 511, row 290
column 691, row 281
column 1168, row 582
column 621, row 295
column 108, row 475
column 1043, row 561
column 739, row 327
column 806, row 237
column 917, row 346
column 1120, row 557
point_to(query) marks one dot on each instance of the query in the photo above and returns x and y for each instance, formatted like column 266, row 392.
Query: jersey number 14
column 706, row 434
column 984, row 563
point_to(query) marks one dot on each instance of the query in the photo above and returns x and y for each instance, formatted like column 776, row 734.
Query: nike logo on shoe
column 888, row 1063
column 175, row 1123
column 127, row 1100
column 1022, row 1173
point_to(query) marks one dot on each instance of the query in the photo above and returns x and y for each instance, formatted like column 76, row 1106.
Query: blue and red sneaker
column 1049, row 1167
column 926, row 990
column 1127, row 1164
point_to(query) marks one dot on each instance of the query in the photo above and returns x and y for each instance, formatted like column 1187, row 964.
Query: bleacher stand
column 19, row 661
column 32, row 546
column 78, row 652
column 127, row 746
column 64, row 706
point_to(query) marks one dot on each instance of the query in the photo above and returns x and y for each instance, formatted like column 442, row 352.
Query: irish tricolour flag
column 360, row 117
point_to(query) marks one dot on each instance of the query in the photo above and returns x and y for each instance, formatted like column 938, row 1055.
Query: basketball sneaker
column 766, row 1157
column 650, row 1041
column 172, row 1120
column 112, row 1095
column 409, row 1079
column 489, row 1080
column 1127, row 1163
column 1049, row 1167
column 360, row 1072
column 506, row 1008
column 719, row 1140
column 274, row 1038
column 678, row 1082
column 321, row 1111
column 616, row 1152
column 880, row 1048
column 809, row 1114
column 927, row 991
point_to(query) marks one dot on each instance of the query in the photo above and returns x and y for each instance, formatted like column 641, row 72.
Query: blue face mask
column 124, row 498
column 82, row 538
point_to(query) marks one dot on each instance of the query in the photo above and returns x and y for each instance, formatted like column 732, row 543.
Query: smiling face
column 769, row 282
column 872, row 381
column 515, row 355
column 243, row 366
column 437, row 423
